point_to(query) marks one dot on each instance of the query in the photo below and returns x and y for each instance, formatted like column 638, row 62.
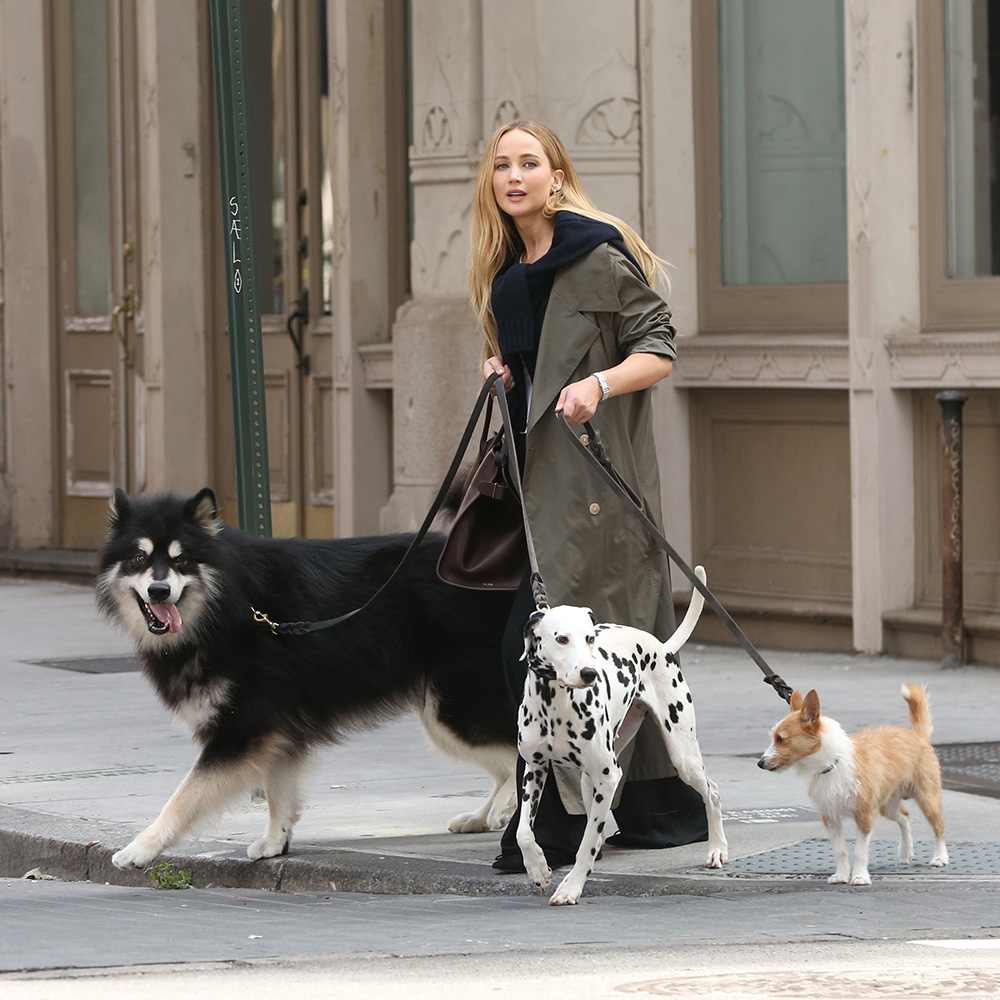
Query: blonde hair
column 495, row 238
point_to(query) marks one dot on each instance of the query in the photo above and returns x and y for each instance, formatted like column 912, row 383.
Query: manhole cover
column 814, row 858
column 93, row 664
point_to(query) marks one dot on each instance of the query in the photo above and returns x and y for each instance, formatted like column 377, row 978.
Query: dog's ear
column 810, row 709
column 591, row 613
column 204, row 509
column 796, row 701
column 118, row 507
column 530, row 635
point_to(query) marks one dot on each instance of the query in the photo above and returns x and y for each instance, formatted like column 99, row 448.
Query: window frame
column 946, row 303
column 785, row 308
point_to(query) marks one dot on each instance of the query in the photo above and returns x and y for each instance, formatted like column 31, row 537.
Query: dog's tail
column 915, row 696
column 686, row 627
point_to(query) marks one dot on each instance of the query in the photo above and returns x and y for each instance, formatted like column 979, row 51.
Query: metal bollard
column 952, row 617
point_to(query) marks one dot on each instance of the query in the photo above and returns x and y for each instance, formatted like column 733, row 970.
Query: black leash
column 593, row 450
column 304, row 628
column 537, row 586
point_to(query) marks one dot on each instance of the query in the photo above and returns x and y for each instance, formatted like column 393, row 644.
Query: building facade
column 820, row 177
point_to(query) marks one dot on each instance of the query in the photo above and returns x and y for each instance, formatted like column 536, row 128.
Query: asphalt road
column 82, row 939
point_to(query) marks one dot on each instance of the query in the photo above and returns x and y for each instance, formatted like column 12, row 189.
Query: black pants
column 663, row 812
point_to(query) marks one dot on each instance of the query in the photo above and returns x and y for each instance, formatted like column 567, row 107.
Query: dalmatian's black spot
column 672, row 709
column 589, row 730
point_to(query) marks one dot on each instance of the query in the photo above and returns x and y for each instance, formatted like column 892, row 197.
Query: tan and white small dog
column 862, row 775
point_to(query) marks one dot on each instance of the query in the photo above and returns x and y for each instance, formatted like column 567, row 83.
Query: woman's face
column 523, row 178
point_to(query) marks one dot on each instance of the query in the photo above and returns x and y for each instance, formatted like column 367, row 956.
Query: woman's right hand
column 496, row 366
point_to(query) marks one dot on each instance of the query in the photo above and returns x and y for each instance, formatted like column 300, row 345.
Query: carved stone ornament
column 719, row 361
column 945, row 361
column 507, row 111
column 608, row 111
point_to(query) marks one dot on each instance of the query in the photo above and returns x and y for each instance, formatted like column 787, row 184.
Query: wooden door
column 99, row 409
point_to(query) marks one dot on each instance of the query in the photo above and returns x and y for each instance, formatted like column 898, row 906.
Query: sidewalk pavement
column 87, row 759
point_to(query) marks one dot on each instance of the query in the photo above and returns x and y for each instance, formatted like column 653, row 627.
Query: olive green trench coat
column 590, row 550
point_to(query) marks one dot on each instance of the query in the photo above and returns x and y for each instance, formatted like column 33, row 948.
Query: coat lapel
column 583, row 287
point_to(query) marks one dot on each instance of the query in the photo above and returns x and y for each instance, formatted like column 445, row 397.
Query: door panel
column 100, row 350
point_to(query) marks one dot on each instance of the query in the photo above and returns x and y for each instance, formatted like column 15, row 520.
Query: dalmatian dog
column 588, row 688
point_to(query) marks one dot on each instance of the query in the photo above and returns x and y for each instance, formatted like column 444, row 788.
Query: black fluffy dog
column 183, row 586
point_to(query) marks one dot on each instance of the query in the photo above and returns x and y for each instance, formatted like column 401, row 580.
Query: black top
column 521, row 293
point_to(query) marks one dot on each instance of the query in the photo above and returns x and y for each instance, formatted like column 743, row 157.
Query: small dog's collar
column 830, row 767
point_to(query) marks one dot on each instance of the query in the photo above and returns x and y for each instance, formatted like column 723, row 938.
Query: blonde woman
column 569, row 315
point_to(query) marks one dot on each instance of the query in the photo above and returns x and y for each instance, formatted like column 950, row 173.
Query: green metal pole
column 246, row 348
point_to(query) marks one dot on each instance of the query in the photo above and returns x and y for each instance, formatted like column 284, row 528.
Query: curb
column 58, row 847
column 74, row 850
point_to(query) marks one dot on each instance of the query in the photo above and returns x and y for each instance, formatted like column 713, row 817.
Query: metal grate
column 104, row 772
column 814, row 858
column 971, row 767
column 93, row 664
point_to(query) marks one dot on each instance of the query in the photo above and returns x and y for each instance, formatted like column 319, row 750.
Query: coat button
column 585, row 440
column 595, row 508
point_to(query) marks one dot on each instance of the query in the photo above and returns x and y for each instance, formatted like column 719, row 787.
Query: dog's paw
column 541, row 876
column 939, row 860
column 136, row 855
column 568, row 893
column 473, row 822
column 861, row 878
column 268, row 847
column 839, row 878
column 717, row 857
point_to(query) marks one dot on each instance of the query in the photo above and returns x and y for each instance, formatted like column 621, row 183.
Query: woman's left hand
column 579, row 400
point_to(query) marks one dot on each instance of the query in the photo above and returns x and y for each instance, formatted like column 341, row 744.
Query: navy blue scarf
column 521, row 291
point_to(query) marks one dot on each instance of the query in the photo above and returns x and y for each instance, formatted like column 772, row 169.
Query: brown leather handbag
column 486, row 548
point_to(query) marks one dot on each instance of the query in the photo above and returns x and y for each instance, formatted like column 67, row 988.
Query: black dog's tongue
column 168, row 614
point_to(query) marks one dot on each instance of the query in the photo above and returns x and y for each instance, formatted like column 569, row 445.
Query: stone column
column 668, row 170
column 569, row 63
column 884, row 303
column 362, row 281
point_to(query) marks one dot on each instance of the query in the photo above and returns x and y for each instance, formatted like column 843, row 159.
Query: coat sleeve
column 642, row 324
